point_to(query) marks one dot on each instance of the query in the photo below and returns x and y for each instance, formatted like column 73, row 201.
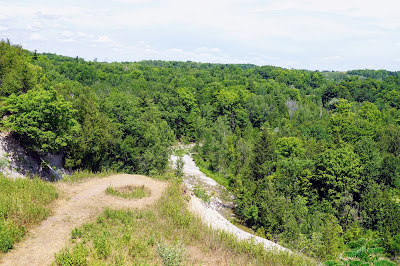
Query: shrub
column 171, row 255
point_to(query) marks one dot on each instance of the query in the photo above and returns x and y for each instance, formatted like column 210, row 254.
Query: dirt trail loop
column 81, row 203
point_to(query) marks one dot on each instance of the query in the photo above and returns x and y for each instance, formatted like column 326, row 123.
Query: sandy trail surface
column 78, row 204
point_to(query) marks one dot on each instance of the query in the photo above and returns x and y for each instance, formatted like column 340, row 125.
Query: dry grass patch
column 129, row 192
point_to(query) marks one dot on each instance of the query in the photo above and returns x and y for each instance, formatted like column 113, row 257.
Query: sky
column 303, row 34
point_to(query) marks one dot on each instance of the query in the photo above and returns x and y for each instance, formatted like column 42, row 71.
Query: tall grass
column 164, row 232
column 23, row 202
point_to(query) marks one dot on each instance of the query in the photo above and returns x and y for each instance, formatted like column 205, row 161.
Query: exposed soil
column 78, row 204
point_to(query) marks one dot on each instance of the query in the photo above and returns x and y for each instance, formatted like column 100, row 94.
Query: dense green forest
column 313, row 158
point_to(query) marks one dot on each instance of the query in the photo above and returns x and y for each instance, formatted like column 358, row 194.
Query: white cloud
column 3, row 28
column 207, row 50
column 67, row 33
column 67, row 40
column 37, row 37
column 104, row 39
column 51, row 9
column 331, row 58
column 3, row 17
column 134, row 1
column 84, row 34
column 35, row 26
column 175, row 50
column 384, row 14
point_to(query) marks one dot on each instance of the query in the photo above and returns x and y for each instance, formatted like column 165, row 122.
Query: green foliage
column 263, row 155
column 17, row 75
column 42, row 119
column 382, row 214
column 363, row 252
column 338, row 171
column 342, row 122
column 289, row 147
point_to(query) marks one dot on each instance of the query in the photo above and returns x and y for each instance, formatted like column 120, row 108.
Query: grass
column 81, row 175
column 129, row 192
column 164, row 233
column 23, row 203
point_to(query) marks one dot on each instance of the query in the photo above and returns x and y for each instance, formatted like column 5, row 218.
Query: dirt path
column 80, row 203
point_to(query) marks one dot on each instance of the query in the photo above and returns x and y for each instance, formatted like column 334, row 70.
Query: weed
column 76, row 233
